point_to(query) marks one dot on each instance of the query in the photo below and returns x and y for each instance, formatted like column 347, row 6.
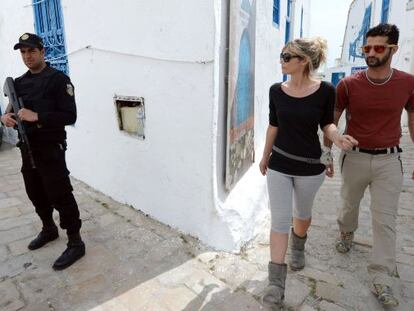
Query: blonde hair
column 314, row 50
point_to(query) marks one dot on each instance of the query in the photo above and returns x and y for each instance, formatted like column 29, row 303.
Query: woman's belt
column 295, row 157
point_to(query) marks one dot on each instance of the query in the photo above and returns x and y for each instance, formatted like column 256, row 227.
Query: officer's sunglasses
column 378, row 48
column 286, row 57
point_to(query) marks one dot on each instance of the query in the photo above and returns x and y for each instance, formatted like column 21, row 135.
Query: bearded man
column 374, row 100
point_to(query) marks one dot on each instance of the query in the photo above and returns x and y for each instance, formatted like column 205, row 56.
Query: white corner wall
column 11, row 64
column 174, row 55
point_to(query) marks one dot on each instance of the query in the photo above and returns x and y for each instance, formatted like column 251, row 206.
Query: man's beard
column 374, row 62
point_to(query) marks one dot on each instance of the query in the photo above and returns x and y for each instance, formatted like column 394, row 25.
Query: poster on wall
column 240, row 116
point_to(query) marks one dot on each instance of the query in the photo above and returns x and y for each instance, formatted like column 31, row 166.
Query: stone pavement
column 136, row 263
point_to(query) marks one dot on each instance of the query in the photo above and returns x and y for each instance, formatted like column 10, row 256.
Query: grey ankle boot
column 297, row 251
column 274, row 293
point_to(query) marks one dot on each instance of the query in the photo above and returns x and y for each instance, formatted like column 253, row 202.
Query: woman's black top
column 297, row 120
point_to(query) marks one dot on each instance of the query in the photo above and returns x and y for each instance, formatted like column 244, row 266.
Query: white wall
column 164, row 52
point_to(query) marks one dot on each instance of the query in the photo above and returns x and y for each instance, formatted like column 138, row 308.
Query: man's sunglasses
column 286, row 57
column 377, row 48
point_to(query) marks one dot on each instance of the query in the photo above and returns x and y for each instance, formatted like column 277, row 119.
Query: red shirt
column 374, row 111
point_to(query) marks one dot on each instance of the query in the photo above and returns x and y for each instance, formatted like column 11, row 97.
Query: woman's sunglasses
column 377, row 48
column 286, row 57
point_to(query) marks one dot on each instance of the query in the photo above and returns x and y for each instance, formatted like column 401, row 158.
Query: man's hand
column 8, row 120
column 27, row 115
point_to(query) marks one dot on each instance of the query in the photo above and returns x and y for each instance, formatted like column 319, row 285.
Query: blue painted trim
column 301, row 23
column 385, row 10
column 360, row 40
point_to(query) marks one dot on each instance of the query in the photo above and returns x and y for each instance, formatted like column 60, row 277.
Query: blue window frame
column 276, row 12
column 301, row 23
column 385, row 11
column 49, row 26
column 288, row 26
column 288, row 21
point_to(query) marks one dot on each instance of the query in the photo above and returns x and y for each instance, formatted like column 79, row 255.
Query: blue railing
column 49, row 26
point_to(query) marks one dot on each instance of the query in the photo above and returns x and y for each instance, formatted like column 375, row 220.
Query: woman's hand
column 329, row 170
column 263, row 165
column 345, row 142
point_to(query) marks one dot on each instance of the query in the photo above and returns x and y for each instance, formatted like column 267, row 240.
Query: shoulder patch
column 69, row 89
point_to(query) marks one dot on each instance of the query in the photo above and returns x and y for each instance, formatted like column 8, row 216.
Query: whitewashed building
column 172, row 100
column 363, row 15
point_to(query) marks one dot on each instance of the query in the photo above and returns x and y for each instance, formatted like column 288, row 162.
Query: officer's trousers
column 383, row 174
column 48, row 185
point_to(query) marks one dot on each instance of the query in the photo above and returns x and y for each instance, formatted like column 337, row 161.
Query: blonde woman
column 292, row 155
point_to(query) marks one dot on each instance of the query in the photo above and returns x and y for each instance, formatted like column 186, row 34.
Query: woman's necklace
column 380, row 83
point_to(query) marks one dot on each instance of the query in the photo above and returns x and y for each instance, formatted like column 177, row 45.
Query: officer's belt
column 295, row 157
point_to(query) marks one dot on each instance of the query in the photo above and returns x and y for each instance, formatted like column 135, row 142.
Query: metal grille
column 49, row 26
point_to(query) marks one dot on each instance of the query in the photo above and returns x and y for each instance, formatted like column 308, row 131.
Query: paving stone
column 111, row 305
column 406, row 272
column 15, row 265
column 328, row 291
column 233, row 271
column 208, row 257
column 9, row 297
column 98, row 260
column 328, row 306
column 20, row 247
column 8, row 212
column 13, row 222
column 319, row 276
column 16, row 234
column 4, row 253
column 295, row 292
column 409, row 251
column 40, row 285
column 106, row 219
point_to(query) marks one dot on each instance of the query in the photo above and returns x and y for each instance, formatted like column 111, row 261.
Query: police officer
column 49, row 105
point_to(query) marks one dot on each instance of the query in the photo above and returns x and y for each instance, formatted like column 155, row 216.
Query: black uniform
column 51, row 94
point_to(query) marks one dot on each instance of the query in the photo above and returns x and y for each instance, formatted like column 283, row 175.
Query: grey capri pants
column 289, row 192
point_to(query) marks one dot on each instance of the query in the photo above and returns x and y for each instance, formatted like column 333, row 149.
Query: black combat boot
column 74, row 251
column 45, row 236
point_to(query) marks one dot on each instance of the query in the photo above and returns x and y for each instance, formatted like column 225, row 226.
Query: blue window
column 276, row 12
column 385, row 11
column 49, row 26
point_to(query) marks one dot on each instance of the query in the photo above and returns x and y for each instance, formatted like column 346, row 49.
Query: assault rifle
column 16, row 103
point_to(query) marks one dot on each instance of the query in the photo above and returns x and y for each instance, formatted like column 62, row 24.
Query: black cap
column 29, row 39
